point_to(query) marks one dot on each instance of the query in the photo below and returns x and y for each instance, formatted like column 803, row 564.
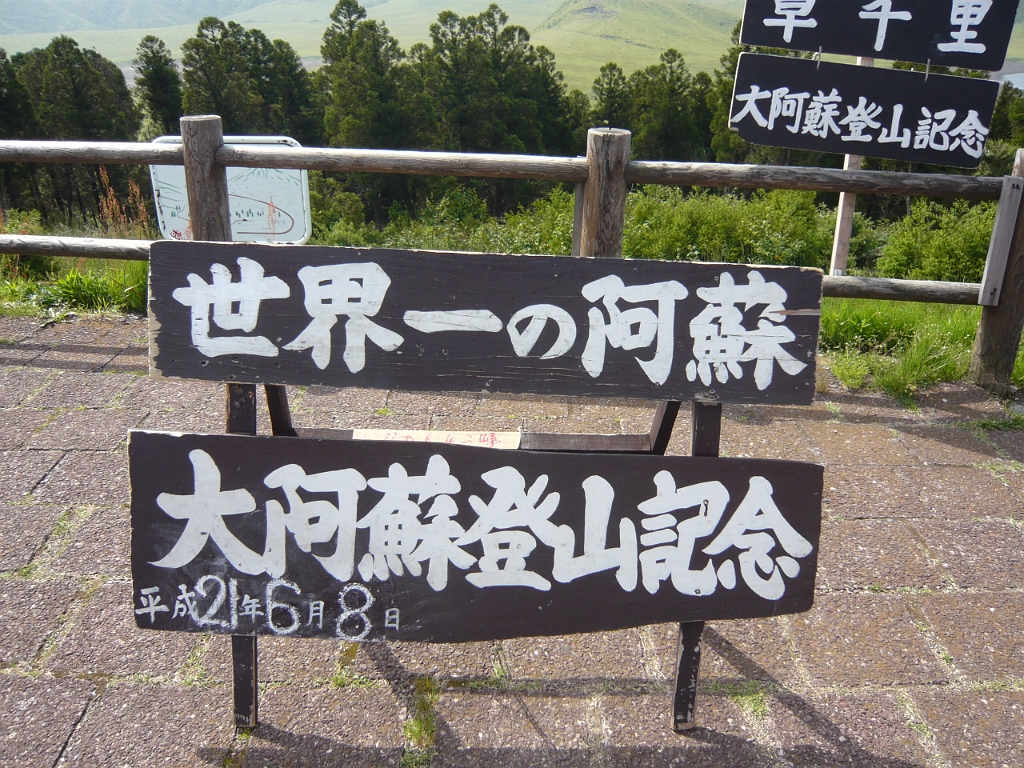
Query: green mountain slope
column 584, row 34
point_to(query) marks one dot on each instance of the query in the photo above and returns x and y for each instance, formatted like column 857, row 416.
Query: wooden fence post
column 604, row 195
column 210, row 219
column 999, row 332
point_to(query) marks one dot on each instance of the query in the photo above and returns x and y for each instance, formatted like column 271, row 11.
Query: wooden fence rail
column 834, row 287
column 564, row 169
column 601, row 180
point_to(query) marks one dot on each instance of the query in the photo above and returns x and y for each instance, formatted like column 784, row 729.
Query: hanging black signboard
column 953, row 33
column 471, row 322
column 410, row 541
column 824, row 107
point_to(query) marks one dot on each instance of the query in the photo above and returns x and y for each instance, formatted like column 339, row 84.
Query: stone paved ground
column 912, row 655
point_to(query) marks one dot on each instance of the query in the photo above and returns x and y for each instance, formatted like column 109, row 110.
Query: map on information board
column 268, row 205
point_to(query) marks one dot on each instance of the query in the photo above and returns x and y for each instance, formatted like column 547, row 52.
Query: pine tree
column 158, row 84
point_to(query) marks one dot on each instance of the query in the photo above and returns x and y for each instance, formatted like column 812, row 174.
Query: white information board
column 268, row 205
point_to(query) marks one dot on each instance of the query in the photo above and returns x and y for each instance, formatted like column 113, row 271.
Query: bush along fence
column 512, row 327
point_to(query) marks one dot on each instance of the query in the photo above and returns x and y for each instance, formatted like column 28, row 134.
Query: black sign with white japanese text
column 470, row 322
column 953, row 33
column 824, row 107
column 412, row 541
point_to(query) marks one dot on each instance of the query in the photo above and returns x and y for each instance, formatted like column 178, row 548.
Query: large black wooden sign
column 407, row 541
column 954, row 33
column 825, row 107
column 457, row 321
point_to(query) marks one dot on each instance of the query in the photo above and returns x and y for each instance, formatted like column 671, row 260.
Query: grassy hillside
column 584, row 34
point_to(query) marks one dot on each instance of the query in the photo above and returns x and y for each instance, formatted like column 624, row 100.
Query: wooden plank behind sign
column 301, row 523
column 906, row 30
column 821, row 106
column 470, row 322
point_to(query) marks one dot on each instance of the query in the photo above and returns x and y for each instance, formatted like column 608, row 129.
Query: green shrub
column 936, row 242
column 778, row 227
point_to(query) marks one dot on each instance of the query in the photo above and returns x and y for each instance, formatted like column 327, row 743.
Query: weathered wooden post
column 999, row 332
column 603, row 222
column 847, row 207
column 210, row 219
column 604, row 195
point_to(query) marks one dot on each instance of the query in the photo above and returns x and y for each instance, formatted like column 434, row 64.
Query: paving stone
column 977, row 554
column 964, row 493
column 520, row 406
column 874, row 492
column 784, row 440
column 327, row 727
column 81, row 390
column 128, row 330
column 858, row 444
column 29, row 611
column 18, row 424
column 86, row 477
column 99, row 430
column 78, row 345
column 947, row 445
column 982, row 631
column 298, row 661
column 459, row 661
column 854, row 640
column 864, row 554
column 870, row 408
column 153, row 725
column 1009, row 442
column 107, row 641
column 24, row 529
column 574, row 658
column 169, row 395
column 866, row 730
column 21, row 471
column 329, row 408
column 747, row 649
column 132, row 359
column 22, row 354
column 959, row 401
column 100, row 546
column 436, row 403
column 637, row 732
column 602, row 408
column 39, row 714
column 16, row 384
column 982, row 729
column 510, row 728
column 207, row 418
column 15, row 329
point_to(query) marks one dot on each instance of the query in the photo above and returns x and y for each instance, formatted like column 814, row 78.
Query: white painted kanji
column 966, row 14
column 750, row 530
column 721, row 342
column 794, row 14
column 671, row 542
column 617, row 331
column 506, row 550
column 205, row 510
column 318, row 521
column 235, row 306
column 355, row 291
column 882, row 12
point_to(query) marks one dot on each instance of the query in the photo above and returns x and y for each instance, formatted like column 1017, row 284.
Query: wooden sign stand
column 600, row 235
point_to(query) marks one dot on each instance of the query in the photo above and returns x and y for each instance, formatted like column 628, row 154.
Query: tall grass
column 899, row 347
